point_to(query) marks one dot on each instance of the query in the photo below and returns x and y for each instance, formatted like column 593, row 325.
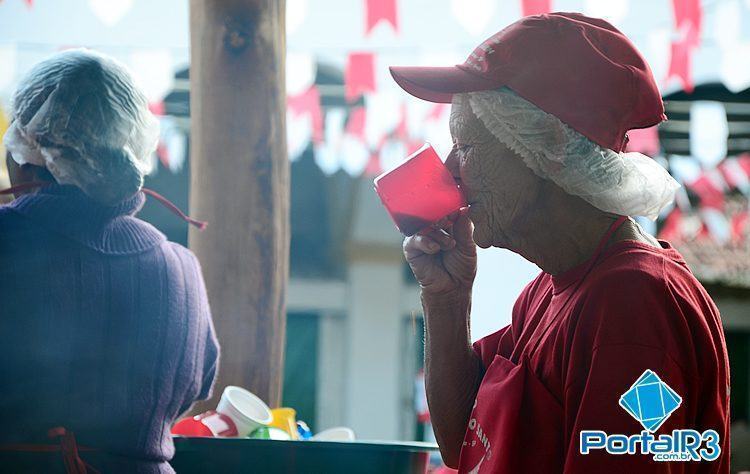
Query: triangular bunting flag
column 380, row 10
column 359, row 75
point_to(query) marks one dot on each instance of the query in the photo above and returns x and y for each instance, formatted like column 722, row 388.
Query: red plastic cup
column 419, row 192
column 210, row 424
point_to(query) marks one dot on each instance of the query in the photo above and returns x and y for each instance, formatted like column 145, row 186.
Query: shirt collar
column 565, row 280
column 67, row 210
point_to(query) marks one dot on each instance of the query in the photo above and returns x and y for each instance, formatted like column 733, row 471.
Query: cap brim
column 438, row 84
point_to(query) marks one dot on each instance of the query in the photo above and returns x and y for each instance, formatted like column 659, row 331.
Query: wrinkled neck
column 564, row 233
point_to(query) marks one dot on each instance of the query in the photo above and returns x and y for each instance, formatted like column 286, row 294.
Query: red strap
column 175, row 210
column 594, row 260
column 73, row 463
column 605, row 239
column 164, row 201
column 23, row 187
column 68, row 447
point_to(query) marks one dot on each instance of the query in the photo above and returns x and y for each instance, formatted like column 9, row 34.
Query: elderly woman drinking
column 105, row 324
column 615, row 355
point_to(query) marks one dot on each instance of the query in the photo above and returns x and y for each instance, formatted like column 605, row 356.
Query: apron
column 516, row 425
column 68, row 447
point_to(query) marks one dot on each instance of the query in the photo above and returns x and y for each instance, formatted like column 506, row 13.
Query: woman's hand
column 444, row 261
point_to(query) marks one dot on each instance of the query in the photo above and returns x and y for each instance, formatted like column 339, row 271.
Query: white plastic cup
column 340, row 433
column 244, row 408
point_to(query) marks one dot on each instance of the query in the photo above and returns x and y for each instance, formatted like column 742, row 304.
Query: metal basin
column 206, row 455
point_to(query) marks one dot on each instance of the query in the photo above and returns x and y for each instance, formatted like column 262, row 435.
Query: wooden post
column 240, row 184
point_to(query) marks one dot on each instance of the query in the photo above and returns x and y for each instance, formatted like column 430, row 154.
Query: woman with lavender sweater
column 105, row 325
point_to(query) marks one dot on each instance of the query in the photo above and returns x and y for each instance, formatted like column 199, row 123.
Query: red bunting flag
column 672, row 228
column 644, row 140
column 735, row 176
column 308, row 102
column 437, row 111
column 399, row 134
column 708, row 187
column 163, row 153
column 688, row 18
column 744, row 161
column 373, row 167
column 359, row 75
column 355, row 126
column 29, row 3
column 535, row 7
column 703, row 231
column 380, row 10
column 420, row 398
column 157, row 108
column 739, row 226
column 716, row 224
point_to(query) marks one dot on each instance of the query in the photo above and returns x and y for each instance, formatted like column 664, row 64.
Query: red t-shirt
column 576, row 344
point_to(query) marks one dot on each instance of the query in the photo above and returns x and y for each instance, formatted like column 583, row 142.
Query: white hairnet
column 80, row 115
column 628, row 184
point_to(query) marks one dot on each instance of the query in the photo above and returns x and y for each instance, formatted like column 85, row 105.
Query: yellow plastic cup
column 285, row 419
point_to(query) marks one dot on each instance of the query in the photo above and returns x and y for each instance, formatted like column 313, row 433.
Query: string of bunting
column 359, row 140
column 721, row 198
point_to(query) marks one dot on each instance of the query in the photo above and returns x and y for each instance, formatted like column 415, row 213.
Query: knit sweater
column 105, row 327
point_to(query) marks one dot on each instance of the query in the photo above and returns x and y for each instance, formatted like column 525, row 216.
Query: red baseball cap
column 582, row 70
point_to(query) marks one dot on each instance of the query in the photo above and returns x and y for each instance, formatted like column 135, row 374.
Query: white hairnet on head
column 628, row 184
column 80, row 115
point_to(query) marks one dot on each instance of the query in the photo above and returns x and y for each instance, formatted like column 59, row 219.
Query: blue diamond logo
column 650, row 401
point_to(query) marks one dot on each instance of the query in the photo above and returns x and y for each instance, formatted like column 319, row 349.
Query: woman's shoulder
column 9, row 219
column 182, row 260
column 643, row 293
column 184, row 254
column 641, row 264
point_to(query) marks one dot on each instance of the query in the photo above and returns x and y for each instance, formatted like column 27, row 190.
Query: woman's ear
column 42, row 174
column 20, row 174
column 15, row 173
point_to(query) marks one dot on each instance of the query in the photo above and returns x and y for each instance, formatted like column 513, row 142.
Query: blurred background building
column 354, row 330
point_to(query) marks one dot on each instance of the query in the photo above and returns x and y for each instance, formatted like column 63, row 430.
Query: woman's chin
column 481, row 240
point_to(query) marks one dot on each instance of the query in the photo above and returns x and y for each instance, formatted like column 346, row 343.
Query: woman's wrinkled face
column 501, row 190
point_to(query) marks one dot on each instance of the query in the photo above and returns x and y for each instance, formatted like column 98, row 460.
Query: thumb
column 463, row 230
